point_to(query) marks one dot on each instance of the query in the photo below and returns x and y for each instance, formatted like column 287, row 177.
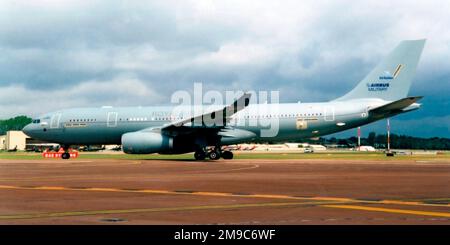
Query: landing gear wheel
column 65, row 155
column 227, row 155
column 214, row 155
column 199, row 155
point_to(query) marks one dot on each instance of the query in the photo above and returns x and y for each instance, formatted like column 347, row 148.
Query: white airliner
column 140, row 130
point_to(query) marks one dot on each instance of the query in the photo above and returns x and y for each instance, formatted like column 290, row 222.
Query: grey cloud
column 309, row 51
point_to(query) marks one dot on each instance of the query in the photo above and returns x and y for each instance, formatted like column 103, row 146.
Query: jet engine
column 146, row 142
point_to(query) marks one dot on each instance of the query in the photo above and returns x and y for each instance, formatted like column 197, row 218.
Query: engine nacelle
column 146, row 142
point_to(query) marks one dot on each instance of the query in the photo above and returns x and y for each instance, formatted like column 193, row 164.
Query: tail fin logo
column 397, row 70
column 383, row 84
column 388, row 75
column 377, row 86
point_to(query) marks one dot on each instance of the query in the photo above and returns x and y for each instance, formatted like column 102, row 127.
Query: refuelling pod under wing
column 142, row 142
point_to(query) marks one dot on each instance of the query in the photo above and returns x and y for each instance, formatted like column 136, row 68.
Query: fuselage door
column 54, row 121
column 328, row 114
column 112, row 119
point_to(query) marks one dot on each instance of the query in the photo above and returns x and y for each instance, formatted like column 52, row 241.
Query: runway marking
column 213, row 207
column 150, row 210
column 222, row 194
column 176, row 192
column 229, row 170
column 390, row 210
column 400, row 202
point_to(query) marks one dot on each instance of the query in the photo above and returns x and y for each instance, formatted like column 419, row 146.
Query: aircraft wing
column 216, row 119
column 396, row 107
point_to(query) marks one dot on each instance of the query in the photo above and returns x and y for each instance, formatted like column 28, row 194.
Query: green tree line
column 16, row 123
column 396, row 141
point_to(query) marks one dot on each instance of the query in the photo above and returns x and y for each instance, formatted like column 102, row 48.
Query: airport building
column 2, row 142
column 13, row 140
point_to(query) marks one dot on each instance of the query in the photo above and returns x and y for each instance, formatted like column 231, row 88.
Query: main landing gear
column 214, row 154
column 200, row 155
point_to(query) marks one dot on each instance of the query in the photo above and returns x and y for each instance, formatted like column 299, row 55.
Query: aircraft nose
column 27, row 129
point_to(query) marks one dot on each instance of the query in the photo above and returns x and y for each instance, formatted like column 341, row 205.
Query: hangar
column 13, row 140
column 2, row 142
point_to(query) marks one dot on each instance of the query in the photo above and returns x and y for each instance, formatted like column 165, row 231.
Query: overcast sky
column 57, row 54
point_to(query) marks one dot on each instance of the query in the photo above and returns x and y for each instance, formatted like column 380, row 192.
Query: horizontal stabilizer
column 396, row 106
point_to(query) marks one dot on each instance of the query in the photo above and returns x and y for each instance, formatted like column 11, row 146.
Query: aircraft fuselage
column 106, row 125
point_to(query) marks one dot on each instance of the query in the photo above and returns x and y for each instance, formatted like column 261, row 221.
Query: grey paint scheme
column 107, row 125
column 353, row 113
column 406, row 54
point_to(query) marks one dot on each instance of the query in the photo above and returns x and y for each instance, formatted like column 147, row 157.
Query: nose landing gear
column 65, row 155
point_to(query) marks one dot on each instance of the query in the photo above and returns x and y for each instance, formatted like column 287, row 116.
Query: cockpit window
column 37, row 121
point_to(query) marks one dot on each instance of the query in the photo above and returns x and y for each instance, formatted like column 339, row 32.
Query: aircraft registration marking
column 75, row 125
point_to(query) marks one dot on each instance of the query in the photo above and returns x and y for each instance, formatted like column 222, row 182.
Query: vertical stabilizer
column 391, row 79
